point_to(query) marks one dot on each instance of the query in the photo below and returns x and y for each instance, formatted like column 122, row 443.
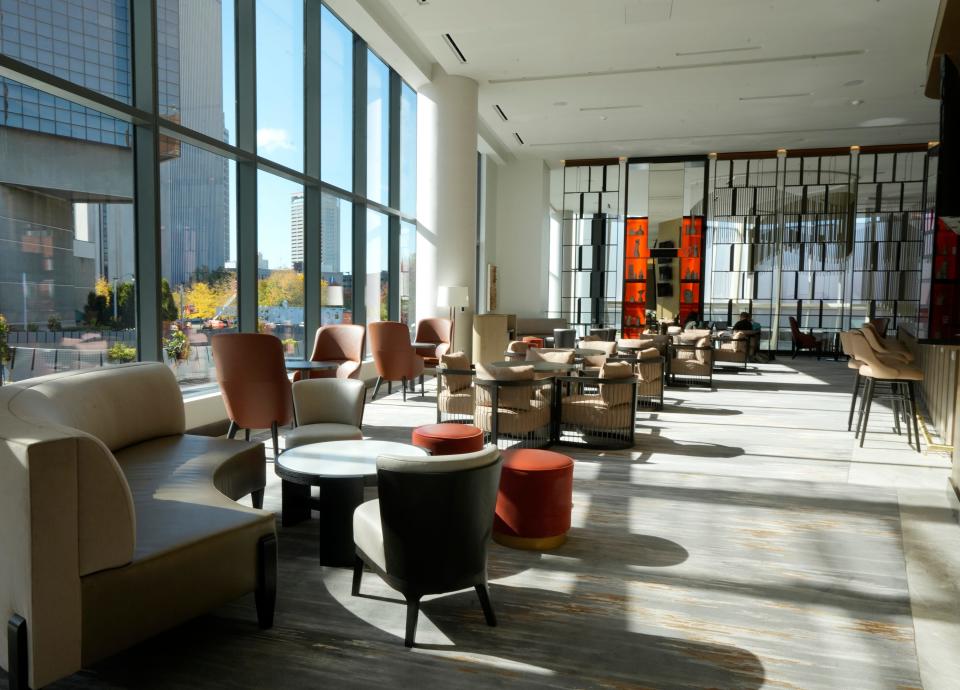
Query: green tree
column 168, row 308
column 126, row 305
column 279, row 286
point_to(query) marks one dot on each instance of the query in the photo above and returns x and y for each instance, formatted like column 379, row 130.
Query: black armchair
column 428, row 531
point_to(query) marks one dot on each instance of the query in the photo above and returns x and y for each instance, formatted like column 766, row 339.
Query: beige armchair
column 631, row 345
column 691, row 363
column 736, row 349
column 456, row 395
column 517, row 350
column 649, row 368
column 512, row 407
column 326, row 410
column 599, row 413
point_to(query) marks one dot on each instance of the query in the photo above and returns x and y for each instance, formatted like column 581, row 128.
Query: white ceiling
column 584, row 79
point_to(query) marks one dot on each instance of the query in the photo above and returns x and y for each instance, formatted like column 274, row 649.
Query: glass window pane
column 67, row 269
column 336, row 101
column 378, row 130
column 280, row 81
column 280, row 276
column 408, row 151
column 336, row 226
column 198, row 241
column 408, row 273
column 105, row 68
column 196, row 61
column 376, row 289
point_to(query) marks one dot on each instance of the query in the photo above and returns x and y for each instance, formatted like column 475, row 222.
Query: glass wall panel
column 67, row 266
column 408, row 151
column 336, row 226
column 198, row 239
column 378, row 129
column 280, row 293
column 408, row 273
column 376, row 288
column 197, row 65
column 336, row 101
column 280, row 81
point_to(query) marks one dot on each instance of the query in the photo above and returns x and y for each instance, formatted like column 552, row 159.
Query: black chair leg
column 904, row 407
column 483, row 593
column 895, row 404
column 422, row 386
column 246, row 435
column 389, row 387
column 913, row 411
column 17, row 657
column 413, row 612
column 853, row 400
column 357, row 576
column 265, row 595
column 376, row 388
column 232, row 431
column 257, row 498
column 275, row 434
column 866, row 416
column 404, row 386
column 863, row 404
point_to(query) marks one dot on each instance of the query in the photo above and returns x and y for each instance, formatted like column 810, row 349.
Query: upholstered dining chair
column 428, row 531
column 326, row 410
column 254, row 383
column 434, row 330
column 340, row 343
column 394, row 356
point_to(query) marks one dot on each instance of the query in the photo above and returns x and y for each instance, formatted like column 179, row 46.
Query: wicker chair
column 691, row 363
column 513, row 408
column 736, row 350
column 517, row 350
column 599, row 412
column 456, row 394
column 649, row 367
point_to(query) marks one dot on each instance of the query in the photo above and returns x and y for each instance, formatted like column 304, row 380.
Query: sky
column 280, row 120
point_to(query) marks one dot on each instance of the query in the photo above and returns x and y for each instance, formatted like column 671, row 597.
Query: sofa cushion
column 556, row 356
column 513, row 397
column 616, row 394
column 185, row 489
column 121, row 405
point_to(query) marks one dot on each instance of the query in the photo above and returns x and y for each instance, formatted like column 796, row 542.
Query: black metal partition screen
column 831, row 240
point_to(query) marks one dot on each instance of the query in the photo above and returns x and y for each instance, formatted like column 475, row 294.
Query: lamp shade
column 452, row 296
column 334, row 295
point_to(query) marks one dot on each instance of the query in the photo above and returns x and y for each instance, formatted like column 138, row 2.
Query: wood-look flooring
column 745, row 542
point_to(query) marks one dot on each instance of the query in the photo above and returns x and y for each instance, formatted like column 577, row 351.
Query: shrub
column 32, row 328
column 121, row 353
column 4, row 347
column 54, row 323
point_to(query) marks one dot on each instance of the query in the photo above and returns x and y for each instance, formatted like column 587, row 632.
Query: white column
column 447, row 195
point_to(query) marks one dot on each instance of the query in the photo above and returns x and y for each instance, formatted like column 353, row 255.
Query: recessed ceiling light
column 603, row 117
column 856, row 101
column 559, row 104
column 855, row 82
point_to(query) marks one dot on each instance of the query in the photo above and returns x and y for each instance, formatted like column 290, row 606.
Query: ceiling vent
column 455, row 48
column 503, row 115
column 517, row 135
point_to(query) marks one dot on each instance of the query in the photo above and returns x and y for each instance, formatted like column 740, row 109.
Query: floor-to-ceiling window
column 255, row 190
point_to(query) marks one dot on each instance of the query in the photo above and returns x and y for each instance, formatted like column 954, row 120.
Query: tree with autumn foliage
column 283, row 285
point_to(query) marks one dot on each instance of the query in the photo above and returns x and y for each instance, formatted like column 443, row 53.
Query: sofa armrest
column 65, row 509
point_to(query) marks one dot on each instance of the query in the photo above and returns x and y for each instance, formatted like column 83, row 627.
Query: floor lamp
column 454, row 297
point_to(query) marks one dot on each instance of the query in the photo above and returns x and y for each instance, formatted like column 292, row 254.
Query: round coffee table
column 341, row 469
column 307, row 365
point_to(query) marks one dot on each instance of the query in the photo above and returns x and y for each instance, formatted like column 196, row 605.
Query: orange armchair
column 394, row 356
column 254, row 383
column 433, row 331
column 340, row 343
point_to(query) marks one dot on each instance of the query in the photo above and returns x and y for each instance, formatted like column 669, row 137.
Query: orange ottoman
column 532, row 341
column 535, row 499
column 447, row 439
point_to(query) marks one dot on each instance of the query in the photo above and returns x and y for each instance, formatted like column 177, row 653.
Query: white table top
column 342, row 459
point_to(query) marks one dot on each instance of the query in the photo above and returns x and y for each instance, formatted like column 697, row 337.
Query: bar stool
column 886, row 347
column 855, row 364
column 901, row 377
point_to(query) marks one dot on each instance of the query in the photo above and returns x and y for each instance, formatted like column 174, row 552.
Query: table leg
column 338, row 499
column 296, row 503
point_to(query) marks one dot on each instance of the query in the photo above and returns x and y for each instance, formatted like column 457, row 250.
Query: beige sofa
column 114, row 524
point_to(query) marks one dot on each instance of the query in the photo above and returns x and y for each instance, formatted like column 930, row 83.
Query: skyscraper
column 296, row 230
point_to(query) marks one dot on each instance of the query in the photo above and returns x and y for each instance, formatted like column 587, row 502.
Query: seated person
column 745, row 323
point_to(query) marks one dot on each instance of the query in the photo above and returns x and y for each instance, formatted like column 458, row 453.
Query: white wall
column 520, row 245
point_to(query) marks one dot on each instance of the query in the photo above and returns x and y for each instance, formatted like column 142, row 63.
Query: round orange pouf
column 532, row 341
column 447, row 439
column 535, row 499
